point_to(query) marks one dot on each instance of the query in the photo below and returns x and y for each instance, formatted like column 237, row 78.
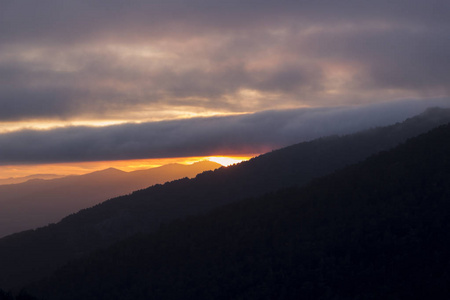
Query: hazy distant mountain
column 36, row 203
column 43, row 250
column 376, row 230
column 15, row 180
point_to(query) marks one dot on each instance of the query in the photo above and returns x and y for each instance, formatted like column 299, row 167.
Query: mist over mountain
column 379, row 229
column 257, row 132
column 37, row 203
column 42, row 251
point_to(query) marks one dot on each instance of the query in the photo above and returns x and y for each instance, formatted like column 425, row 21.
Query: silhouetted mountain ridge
column 146, row 210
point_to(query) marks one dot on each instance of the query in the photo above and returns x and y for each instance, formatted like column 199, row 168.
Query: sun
column 227, row 160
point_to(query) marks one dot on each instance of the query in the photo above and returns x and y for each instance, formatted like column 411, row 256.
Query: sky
column 90, row 81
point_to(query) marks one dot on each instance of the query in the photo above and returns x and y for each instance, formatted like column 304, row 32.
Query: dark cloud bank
column 66, row 59
column 253, row 133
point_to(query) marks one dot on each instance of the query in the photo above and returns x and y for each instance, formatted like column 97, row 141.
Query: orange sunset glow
column 80, row 168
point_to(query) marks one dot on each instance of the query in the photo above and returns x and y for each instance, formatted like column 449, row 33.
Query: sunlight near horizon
column 228, row 160
column 79, row 168
column 130, row 118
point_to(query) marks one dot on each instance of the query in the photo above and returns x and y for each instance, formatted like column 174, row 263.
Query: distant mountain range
column 31, row 255
column 15, row 180
column 379, row 229
column 38, row 202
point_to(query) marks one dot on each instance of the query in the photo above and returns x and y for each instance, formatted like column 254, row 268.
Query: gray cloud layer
column 73, row 59
column 254, row 133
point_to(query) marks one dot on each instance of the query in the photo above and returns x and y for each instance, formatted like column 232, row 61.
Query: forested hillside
column 31, row 255
column 379, row 229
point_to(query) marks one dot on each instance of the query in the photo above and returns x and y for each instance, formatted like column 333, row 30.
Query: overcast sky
column 73, row 61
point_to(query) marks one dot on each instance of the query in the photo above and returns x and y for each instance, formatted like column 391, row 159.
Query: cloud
column 390, row 58
column 92, row 59
column 53, row 21
column 252, row 133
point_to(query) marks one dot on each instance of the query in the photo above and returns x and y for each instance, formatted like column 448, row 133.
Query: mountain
column 15, row 180
column 379, row 229
column 41, row 251
column 36, row 203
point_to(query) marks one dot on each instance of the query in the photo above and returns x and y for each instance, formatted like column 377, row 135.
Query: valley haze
column 37, row 203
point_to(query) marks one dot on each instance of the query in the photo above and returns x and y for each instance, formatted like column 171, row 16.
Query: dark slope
column 376, row 230
column 32, row 254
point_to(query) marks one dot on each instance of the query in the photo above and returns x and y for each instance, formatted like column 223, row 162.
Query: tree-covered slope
column 377, row 230
column 30, row 255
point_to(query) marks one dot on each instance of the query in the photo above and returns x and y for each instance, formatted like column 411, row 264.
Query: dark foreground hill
column 31, row 255
column 376, row 230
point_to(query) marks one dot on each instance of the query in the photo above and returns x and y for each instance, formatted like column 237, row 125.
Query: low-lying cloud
column 253, row 133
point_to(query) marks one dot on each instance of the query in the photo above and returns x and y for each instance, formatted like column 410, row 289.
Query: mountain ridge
column 37, row 203
column 16, row 180
column 145, row 210
column 376, row 229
